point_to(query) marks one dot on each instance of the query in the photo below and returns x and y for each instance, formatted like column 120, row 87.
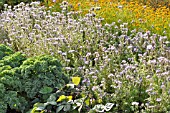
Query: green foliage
column 75, row 105
column 5, row 51
column 14, row 60
column 24, row 82
column 65, row 104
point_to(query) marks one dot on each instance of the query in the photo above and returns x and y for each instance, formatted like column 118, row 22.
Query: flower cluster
column 148, row 15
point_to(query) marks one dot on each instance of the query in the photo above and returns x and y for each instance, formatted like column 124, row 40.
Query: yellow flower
column 69, row 97
column 62, row 97
column 76, row 80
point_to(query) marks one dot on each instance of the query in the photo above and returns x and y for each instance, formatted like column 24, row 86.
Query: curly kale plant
column 24, row 82
column 39, row 74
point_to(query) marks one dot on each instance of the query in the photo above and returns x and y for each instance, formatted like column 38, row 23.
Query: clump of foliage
column 62, row 100
column 5, row 51
column 76, row 101
column 26, row 81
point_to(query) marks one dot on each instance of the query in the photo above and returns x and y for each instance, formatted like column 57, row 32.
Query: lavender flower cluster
column 118, row 65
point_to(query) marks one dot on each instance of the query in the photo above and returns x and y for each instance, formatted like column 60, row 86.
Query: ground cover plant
column 121, row 70
column 25, row 81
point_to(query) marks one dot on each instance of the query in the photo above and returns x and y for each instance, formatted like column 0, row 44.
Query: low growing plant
column 75, row 102
column 25, row 81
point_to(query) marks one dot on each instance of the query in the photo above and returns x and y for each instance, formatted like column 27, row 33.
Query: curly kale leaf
column 7, row 72
column 5, row 51
column 42, row 67
column 2, row 90
column 14, row 60
column 5, row 67
column 15, row 101
column 3, row 106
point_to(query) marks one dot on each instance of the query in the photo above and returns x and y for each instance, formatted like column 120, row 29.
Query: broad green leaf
column 59, row 86
column 87, row 101
column 35, row 100
column 39, row 106
column 59, row 108
column 67, row 107
column 76, row 80
column 51, row 103
column 51, row 98
column 46, row 90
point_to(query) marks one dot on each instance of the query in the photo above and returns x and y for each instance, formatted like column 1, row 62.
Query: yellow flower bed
column 135, row 13
column 138, row 15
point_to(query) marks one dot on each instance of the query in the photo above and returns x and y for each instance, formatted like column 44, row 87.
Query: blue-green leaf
column 51, row 98
column 67, row 107
column 39, row 106
column 46, row 90
column 59, row 108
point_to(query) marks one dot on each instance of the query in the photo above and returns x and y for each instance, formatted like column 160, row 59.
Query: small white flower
column 153, row 61
column 120, row 6
column 149, row 47
column 88, row 54
column 110, row 75
column 151, row 107
column 68, row 68
column 149, row 90
column 5, row 5
column 94, row 88
column 158, row 99
column 98, row 8
column 91, row 73
column 135, row 103
column 129, row 47
column 121, row 26
column 37, row 26
column 64, row 54
column 71, row 51
column 119, row 21
column 125, row 24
